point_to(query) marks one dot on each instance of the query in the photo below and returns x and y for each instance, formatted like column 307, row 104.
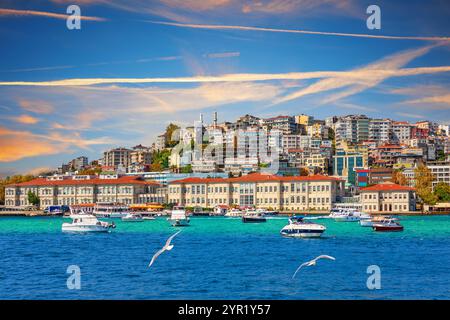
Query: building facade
column 388, row 197
column 259, row 190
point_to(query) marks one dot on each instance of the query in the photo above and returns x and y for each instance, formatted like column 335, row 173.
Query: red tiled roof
column 388, row 186
column 256, row 177
column 95, row 181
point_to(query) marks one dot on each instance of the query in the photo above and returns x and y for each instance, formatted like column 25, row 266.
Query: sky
column 135, row 66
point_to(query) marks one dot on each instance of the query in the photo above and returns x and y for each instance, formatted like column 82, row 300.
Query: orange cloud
column 25, row 119
column 36, row 106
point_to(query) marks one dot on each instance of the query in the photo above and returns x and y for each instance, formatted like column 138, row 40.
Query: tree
column 91, row 171
column 304, row 171
column 186, row 169
column 172, row 138
column 424, row 181
column 33, row 199
column 12, row 180
column 442, row 192
column 399, row 178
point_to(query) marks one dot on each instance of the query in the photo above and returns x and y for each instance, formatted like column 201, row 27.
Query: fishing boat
column 253, row 216
column 388, row 225
column 110, row 210
column 86, row 223
column 133, row 217
column 178, row 217
column 299, row 228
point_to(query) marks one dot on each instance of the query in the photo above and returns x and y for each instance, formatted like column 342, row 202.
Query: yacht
column 387, row 225
column 110, row 210
column 298, row 228
column 86, row 223
column 347, row 216
column 178, row 217
column 133, row 217
column 254, row 216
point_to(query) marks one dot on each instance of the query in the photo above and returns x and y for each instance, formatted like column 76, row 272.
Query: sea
column 223, row 258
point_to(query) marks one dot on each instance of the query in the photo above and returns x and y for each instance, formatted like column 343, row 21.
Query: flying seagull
column 312, row 263
column 167, row 246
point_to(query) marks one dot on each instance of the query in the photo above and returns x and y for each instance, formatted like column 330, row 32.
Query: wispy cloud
column 23, row 13
column 25, row 119
column 221, row 55
column 36, row 106
column 309, row 32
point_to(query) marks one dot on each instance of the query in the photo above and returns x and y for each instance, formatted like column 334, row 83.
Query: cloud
column 36, row 106
column 309, row 32
column 410, row 115
column 288, row 6
column 25, row 119
column 221, row 55
column 24, row 13
column 435, row 96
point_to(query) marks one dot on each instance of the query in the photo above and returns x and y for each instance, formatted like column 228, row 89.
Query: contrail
column 13, row 12
column 239, row 77
column 337, row 34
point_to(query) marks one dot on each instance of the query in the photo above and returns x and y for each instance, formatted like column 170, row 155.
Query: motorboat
column 299, row 228
column 57, row 210
column 220, row 210
column 110, row 210
column 253, row 216
column 133, row 217
column 198, row 211
column 86, row 223
column 178, row 217
column 234, row 213
column 369, row 221
column 387, row 225
column 365, row 220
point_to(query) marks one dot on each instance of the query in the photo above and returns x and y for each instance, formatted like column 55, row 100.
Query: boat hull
column 366, row 223
column 346, row 219
column 70, row 228
column 303, row 234
column 179, row 222
column 381, row 228
column 253, row 219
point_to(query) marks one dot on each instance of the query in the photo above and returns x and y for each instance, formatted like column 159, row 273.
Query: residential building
column 380, row 130
column 259, row 190
column 352, row 128
column 388, row 197
column 369, row 176
column 117, row 157
column 345, row 163
column 441, row 172
column 401, row 132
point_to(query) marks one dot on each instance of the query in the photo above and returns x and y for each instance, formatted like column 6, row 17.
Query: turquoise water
column 222, row 258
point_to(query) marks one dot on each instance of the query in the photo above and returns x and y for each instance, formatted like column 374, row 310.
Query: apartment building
column 380, row 130
column 72, row 190
column 440, row 171
column 117, row 157
column 260, row 190
column 388, row 197
column 352, row 128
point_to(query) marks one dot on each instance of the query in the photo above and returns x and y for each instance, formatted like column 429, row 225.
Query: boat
column 369, row 221
column 346, row 216
column 253, row 216
column 110, row 210
column 133, row 217
column 178, row 217
column 387, row 225
column 86, row 223
column 57, row 210
column 198, row 211
column 220, row 210
column 234, row 213
column 299, row 228
column 365, row 220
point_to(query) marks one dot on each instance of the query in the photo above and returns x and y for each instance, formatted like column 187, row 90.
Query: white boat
column 86, row 223
column 346, row 216
column 133, row 217
column 298, row 228
column 178, row 217
column 220, row 210
column 254, row 216
column 365, row 220
column 110, row 210
column 234, row 213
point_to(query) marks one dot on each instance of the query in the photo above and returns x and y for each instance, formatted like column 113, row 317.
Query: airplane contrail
column 337, row 34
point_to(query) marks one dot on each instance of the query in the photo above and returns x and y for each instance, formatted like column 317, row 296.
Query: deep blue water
column 220, row 258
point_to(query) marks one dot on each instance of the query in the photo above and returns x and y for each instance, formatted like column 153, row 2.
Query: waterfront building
column 388, row 197
column 260, row 190
column 72, row 190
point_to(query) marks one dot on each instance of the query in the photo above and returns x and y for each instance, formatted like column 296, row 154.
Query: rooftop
column 95, row 181
column 387, row 186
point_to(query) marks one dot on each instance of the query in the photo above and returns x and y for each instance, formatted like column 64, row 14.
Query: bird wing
column 324, row 256
column 156, row 255
column 170, row 239
column 301, row 266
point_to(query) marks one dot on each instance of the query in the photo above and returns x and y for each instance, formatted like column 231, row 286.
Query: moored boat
column 346, row 216
column 133, row 217
column 253, row 216
column 298, row 228
column 110, row 210
column 86, row 223
column 234, row 213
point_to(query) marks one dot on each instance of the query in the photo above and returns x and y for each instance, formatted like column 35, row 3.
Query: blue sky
column 206, row 68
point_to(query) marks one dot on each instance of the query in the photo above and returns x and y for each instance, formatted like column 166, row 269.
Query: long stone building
column 388, row 197
column 71, row 190
column 260, row 190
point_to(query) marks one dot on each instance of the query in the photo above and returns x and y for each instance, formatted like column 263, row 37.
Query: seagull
column 312, row 263
column 167, row 246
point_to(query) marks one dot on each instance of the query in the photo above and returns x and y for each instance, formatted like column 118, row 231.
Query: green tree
column 186, row 169
column 12, row 180
column 442, row 192
column 33, row 199
column 424, row 181
column 172, row 138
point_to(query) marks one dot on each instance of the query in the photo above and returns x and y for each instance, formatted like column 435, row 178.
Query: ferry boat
column 253, row 216
column 178, row 217
column 110, row 210
column 133, row 217
column 387, row 225
column 298, row 228
column 234, row 213
column 86, row 223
